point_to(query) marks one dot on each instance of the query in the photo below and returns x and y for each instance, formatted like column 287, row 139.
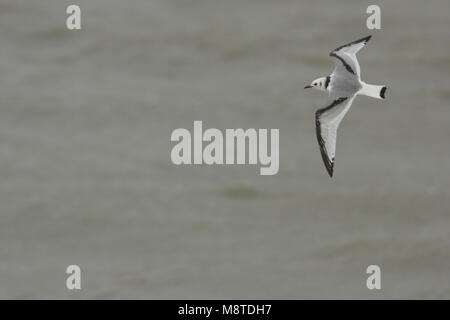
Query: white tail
column 373, row 91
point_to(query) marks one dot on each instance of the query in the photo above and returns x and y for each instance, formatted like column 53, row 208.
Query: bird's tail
column 373, row 91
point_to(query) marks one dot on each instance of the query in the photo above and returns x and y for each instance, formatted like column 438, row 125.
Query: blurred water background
column 86, row 176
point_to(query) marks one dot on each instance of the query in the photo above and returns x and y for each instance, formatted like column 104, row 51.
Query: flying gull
column 343, row 85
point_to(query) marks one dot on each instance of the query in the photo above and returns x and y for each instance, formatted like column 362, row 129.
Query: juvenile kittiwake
column 343, row 85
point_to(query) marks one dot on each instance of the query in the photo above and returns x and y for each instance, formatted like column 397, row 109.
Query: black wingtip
column 330, row 169
column 383, row 92
column 365, row 40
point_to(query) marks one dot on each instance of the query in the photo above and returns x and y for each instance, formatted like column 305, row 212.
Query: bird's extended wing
column 327, row 123
column 345, row 57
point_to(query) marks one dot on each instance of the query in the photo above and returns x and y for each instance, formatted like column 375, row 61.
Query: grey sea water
column 86, row 176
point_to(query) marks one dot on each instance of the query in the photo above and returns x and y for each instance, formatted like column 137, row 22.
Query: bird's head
column 318, row 84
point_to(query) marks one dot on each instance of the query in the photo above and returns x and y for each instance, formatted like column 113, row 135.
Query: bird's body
column 343, row 85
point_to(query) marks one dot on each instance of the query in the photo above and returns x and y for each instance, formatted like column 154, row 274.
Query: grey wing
column 327, row 123
column 345, row 57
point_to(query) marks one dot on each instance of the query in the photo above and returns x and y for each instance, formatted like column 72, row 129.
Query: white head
column 319, row 84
